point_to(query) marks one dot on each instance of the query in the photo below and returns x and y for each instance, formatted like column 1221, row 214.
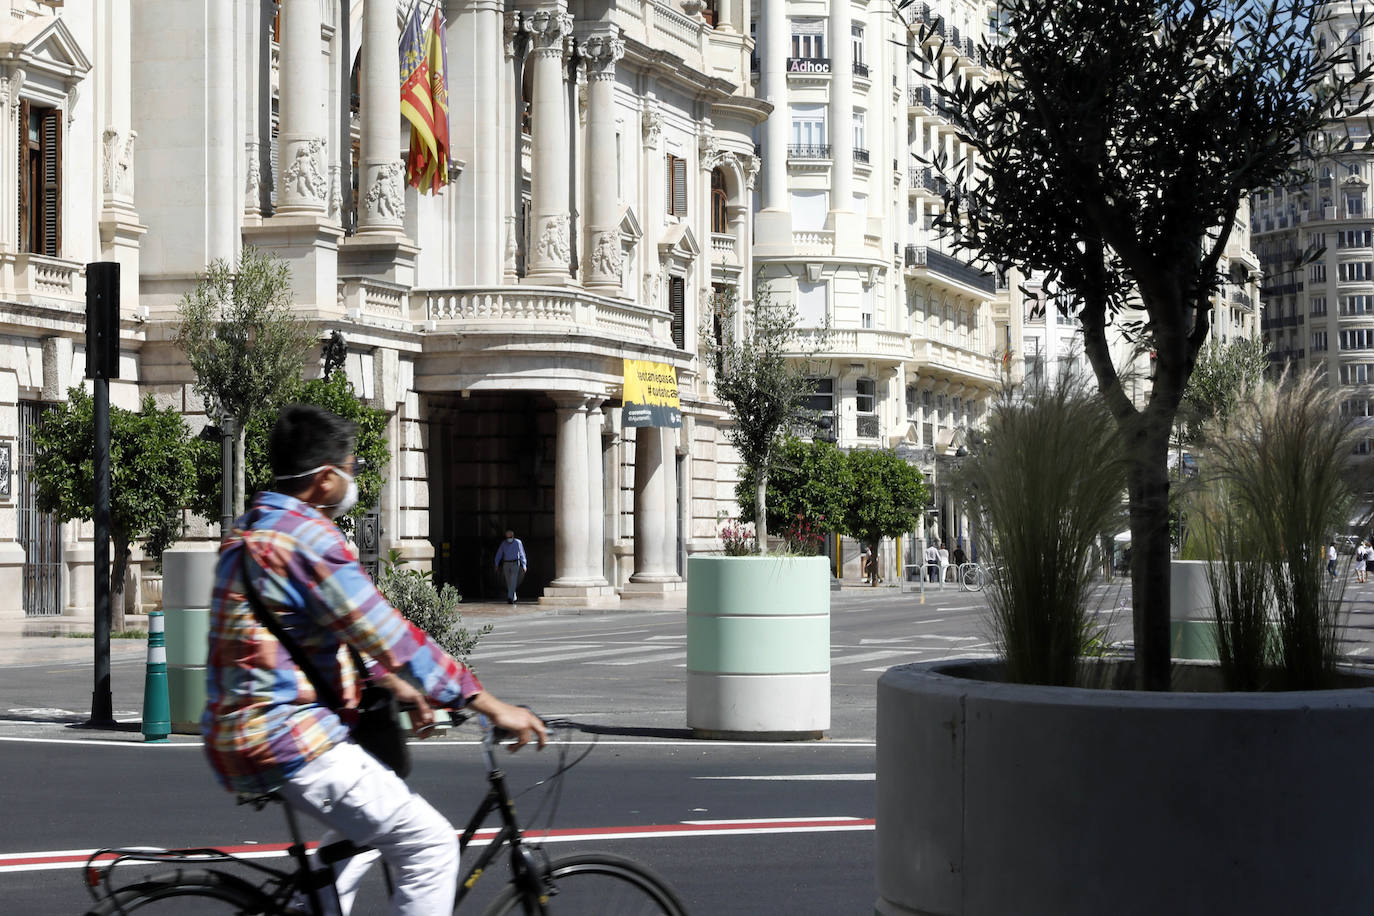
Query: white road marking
column 665, row 657
column 571, row 656
column 800, row 777
column 868, row 656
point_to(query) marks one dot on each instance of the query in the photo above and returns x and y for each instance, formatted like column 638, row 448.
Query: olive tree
column 1111, row 154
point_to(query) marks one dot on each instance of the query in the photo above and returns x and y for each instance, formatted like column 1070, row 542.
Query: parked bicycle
column 974, row 577
column 594, row 883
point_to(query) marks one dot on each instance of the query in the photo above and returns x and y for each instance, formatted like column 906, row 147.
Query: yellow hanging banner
column 651, row 397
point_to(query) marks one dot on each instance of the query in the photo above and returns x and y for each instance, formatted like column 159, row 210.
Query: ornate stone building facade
column 592, row 146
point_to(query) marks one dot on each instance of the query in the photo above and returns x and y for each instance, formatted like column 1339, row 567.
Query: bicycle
column 974, row 577
column 604, row 883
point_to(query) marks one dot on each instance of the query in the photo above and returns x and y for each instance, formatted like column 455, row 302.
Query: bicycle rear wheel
column 596, row 885
column 974, row 578
column 192, row 891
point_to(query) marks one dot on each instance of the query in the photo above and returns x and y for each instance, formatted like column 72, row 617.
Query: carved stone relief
column 385, row 199
column 117, row 159
column 553, row 239
column 606, row 255
column 303, row 175
column 652, row 124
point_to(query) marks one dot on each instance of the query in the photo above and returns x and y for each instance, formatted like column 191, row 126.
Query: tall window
column 677, row 185
column 808, row 126
column 677, row 305
column 821, row 402
column 860, row 132
column 856, row 41
column 866, row 408
column 1354, row 204
column 808, row 38
column 40, row 181
column 719, row 218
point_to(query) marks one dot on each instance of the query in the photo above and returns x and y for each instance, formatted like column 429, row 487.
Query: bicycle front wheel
column 595, row 885
column 973, row 578
column 192, row 891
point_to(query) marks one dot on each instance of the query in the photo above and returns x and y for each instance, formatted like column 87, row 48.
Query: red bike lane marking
column 41, row 861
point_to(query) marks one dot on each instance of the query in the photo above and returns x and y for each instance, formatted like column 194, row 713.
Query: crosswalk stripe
column 868, row 656
column 665, row 657
column 571, row 656
column 509, row 649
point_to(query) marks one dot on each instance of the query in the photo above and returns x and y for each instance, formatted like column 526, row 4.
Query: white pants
column 362, row 800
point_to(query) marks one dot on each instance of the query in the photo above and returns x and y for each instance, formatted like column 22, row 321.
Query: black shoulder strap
column 323, row 689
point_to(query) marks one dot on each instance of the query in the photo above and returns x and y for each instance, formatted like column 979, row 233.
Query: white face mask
column 350, row 497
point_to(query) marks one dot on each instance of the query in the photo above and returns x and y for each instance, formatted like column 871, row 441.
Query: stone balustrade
column 35, row 277
column 723, row 248
column 819, row 242
column 542, row 310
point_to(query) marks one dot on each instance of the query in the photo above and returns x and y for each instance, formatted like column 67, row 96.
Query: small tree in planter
column 432, row 608
column 1111, row 156
column 151, row 477
column 759, row 377
column 886, row 500
column 244, row 344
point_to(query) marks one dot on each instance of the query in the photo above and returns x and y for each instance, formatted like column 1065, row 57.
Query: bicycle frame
column 311, row 875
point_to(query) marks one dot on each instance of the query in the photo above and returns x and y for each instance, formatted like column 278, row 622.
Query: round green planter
column 758, row 647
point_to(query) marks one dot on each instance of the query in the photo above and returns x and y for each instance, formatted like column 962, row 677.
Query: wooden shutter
column 668, row 184
column 52, row 183
column 680, row 187
column 25, row 205
column 677, row 304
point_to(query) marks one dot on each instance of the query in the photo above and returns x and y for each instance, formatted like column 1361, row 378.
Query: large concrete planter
column 758, row 647
column 998, row 799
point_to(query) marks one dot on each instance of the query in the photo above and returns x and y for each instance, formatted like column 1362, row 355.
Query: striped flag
column 424, row 101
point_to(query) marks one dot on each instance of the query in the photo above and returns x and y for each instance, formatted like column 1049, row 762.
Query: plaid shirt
column 262, row 720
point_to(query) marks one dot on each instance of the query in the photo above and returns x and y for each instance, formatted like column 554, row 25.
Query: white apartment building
column 843, row 229
column 602, row 160
column 1320, row 313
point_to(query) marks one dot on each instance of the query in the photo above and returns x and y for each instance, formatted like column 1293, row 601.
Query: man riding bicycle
column 266, row 730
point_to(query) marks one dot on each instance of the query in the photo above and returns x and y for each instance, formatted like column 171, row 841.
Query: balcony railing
column 820, row 241
column 860, row 154
column 861, row 69
column 866, row 426
column 920, row 96
column 926, row 178
column 808, row 151
column 547, row 310
column 940, row 263
column 722, row 246
column 1240, row 297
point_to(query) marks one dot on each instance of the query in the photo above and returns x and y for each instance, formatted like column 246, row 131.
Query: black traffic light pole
column 102, row 364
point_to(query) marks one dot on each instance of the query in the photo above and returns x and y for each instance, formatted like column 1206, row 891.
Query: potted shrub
column 758, row 627
column 1111, row 158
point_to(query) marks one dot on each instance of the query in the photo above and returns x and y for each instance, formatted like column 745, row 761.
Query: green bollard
column 157, row 713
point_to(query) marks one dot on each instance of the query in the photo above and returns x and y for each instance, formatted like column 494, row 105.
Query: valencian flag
column 424, row 101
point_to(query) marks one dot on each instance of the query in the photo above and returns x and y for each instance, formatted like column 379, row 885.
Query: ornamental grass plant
column 1282, row 459
column 1046, row 484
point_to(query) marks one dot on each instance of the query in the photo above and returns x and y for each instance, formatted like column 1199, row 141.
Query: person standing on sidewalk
column 511, row 563
column 932, row 562
column 1331, row 559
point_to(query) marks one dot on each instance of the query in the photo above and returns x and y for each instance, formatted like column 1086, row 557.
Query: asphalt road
column 737, row 828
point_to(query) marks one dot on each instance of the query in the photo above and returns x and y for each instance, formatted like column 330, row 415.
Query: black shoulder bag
column 375, row 723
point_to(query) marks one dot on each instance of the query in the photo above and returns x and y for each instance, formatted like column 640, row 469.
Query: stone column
column 303, row 180
column 596, row 491
column 655, row 571
column 651, row 126
column 549, row 244
column 845, row 222
column 773, row 225
column 571, row 504
column 381, row 195
column 602, row 258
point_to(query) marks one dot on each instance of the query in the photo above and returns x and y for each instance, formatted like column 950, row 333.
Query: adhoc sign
column 808, row 65
column 650, row 397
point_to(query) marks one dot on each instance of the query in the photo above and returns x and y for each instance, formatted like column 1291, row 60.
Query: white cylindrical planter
column 1192, row 619
column 998, row 798
column 188, row 581
column 758, row 647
